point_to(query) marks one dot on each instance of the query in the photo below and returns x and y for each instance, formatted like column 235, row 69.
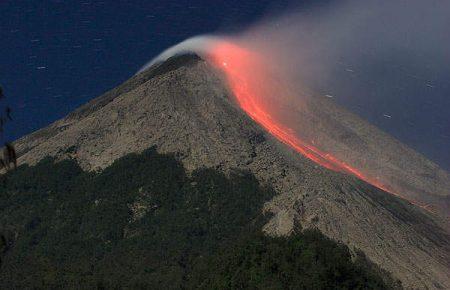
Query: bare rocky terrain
column 182, row 106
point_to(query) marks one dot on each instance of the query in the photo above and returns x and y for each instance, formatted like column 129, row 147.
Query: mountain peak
column 183, row 106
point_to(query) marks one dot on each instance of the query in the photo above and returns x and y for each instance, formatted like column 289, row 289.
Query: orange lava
column 256, row 92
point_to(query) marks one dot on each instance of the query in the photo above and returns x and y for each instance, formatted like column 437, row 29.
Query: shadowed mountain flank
column 184, row 108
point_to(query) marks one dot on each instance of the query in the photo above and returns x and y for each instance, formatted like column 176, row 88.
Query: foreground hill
column 183, row 107
column 144, row 223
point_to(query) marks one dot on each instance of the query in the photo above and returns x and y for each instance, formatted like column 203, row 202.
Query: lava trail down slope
column 273, row 104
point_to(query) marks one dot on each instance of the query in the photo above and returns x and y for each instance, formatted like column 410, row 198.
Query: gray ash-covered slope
column 183, row 106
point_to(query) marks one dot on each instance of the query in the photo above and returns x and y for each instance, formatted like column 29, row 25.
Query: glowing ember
column 258, row 93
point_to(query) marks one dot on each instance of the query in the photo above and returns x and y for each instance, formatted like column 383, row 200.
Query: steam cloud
column 316, row 44
column 376, row 57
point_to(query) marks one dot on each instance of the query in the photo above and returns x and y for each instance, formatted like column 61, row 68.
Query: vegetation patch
column 144, row 223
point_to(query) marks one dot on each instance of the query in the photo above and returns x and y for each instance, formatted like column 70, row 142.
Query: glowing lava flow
column 258, row 94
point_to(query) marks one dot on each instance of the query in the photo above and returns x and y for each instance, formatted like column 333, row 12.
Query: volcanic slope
column 183, row 106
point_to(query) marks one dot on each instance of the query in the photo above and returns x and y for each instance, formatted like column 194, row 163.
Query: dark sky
column 57, row 55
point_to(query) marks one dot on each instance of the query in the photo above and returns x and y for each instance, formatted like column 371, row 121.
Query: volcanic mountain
column 185, row 107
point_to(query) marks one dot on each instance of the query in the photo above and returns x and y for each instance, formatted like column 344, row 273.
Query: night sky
column 57, row 55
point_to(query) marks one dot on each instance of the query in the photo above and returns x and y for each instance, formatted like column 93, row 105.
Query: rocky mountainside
column 183, row 107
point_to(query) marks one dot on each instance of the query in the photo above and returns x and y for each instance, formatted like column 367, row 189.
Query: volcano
column 187, row 106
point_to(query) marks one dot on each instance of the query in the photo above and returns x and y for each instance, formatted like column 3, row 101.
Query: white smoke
column 198, row 44
column 353, row 34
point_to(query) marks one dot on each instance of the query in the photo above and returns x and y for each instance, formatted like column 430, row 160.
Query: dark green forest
column 143, row 223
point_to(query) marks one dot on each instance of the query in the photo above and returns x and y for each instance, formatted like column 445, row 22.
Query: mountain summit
column 183, row 106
